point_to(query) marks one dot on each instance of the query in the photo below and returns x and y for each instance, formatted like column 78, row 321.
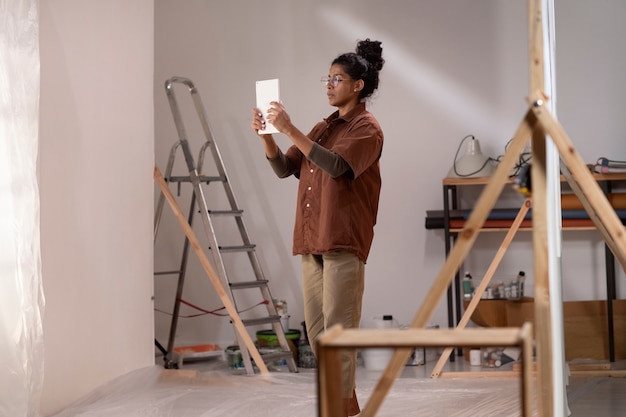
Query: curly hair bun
column 372, row 52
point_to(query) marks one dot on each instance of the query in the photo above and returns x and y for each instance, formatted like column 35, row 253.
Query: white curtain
column 21, row 294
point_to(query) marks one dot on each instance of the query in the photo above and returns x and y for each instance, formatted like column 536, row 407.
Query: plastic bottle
column 515, row 290
column 468, row 287
column 521, row 276
column 501, row 289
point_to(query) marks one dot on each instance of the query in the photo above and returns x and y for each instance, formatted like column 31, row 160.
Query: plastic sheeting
column 215, row 391
column 21, row 296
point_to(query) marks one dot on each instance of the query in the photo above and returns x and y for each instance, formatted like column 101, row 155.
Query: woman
column 337, row 164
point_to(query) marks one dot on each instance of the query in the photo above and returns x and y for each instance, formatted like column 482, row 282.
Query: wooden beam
column 599, row 207
column 543, row 332
column 403, row 338
column 329, row 376
column 599, row 224
column 535, row 44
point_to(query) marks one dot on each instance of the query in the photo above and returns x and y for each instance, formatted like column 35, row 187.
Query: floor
column 209, row 388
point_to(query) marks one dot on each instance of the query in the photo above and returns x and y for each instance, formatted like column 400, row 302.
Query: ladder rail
column 182, row 270
column 211, row 144
column 179, row 285
column 217, row 156
column 193, row 172
column 161, row 202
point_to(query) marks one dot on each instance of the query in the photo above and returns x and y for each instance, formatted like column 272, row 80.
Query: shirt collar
column 359, row 108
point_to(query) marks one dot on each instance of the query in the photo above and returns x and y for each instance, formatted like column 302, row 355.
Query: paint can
column 475, row 357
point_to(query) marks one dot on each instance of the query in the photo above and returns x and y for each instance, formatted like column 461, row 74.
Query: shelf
column 616, row 176
column 452, row 220
column 502, row 219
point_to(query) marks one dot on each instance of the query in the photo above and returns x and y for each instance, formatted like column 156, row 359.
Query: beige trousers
column 333, row 285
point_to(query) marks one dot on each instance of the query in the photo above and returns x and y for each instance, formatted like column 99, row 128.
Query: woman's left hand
column 278, row 116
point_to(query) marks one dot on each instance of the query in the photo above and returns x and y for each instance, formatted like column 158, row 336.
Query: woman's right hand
column 257, row 122
column 271, row 149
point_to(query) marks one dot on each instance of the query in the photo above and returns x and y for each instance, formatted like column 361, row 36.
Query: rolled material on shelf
column 571, row 201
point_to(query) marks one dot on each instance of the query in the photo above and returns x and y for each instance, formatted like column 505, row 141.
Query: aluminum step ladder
column 234, row 216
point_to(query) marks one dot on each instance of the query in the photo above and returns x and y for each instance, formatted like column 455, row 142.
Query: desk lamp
column 472, row 164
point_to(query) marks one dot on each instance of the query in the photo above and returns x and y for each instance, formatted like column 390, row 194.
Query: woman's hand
column 257, row 122
column 278, row 116
column 271, row 149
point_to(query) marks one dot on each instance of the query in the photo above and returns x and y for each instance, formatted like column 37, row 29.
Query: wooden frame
column 336, row 339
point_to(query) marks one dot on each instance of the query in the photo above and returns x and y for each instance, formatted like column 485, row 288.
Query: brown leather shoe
column 351, row 405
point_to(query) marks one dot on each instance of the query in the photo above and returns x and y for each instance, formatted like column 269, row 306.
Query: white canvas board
column 266, row 92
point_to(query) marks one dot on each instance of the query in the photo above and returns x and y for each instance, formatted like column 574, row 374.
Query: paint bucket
column 385, row 322
column 475, row 357
column 376, row 359
column 235, row 361
column 268, row 338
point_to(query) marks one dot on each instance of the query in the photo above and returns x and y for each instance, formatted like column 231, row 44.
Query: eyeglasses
column 334, row 80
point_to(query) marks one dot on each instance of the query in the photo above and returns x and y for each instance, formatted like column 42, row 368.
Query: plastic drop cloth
column 215, row 391
column 21, row 296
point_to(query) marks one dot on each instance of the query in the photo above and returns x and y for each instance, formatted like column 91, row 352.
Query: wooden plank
column 465, row 240
column 613, row 373
column 329, row 375
column 378, row 338
column 599, row 207
column 482, row 374
column 206, row 265
column 576, row 367
column 540, row 231
column 535, row 42
column 543, row 328
column 527, row 369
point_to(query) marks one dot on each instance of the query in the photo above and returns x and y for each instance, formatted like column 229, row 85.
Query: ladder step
column 202, row 178
column 261, row 320
column 250, row 284
column 242, row 248
column 225, row 212
column 167, row 272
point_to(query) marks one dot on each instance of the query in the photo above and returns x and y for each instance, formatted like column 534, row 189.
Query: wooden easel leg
column 329, row 376
column 460, row 250
column 599, row 210
column 610, row 242
column 527, row 366
column 484, row 282
column 542, row 294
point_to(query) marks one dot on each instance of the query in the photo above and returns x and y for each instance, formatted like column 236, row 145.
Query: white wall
column 96, row 159
column 453, row 68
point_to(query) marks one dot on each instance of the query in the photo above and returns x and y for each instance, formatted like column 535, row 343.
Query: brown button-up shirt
column 339, row 213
